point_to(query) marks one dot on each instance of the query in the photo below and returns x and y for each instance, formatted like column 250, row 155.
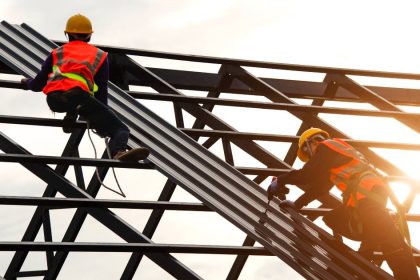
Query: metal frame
column 221, row 187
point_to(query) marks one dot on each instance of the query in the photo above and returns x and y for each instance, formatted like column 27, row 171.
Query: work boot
column 132, row 155
column 68, row 122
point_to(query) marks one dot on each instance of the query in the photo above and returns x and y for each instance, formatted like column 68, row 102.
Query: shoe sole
column 135, row 155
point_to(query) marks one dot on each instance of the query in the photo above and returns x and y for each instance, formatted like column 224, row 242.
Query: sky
column 373, row 35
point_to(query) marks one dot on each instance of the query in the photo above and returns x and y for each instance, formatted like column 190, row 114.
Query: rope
column 120, row 192
column 401, row 218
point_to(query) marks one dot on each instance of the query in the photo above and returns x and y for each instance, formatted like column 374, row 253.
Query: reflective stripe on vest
column 356, row 178
column 81, row 71
column 58, row 75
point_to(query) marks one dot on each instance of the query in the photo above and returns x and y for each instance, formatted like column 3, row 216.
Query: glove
column 24, row 82
column 272, row 190
column 287, row 204
column 275, row 190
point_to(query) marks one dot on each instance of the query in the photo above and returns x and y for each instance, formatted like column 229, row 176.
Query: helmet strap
column 308, row 148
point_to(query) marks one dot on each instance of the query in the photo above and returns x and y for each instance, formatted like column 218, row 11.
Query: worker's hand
column 287, row 204
column 276, row 190
column 24, row 82
column 272, row 190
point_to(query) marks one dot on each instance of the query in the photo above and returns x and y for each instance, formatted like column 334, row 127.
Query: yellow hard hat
column 78, row 24
column 303, row 156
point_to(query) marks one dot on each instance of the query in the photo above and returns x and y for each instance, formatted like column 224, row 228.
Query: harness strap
column 354, row 188
column 401, row 218
column 355, row 225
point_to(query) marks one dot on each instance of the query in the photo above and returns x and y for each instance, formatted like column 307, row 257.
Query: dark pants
column 378, row 231
column 99, row 116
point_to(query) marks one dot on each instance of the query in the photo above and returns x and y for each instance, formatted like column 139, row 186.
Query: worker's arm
column 315, row 173
column 40, row 80
column 101, row 80
column 313, row 193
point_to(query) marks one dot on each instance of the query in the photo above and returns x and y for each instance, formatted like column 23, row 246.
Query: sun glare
column 401, row 190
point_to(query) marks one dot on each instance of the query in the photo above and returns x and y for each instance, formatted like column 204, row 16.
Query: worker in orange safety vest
column 75, row 79
column 362, row 216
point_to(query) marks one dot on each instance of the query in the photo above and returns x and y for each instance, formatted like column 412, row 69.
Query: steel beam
column 212, row 121
column 24, row 158
column 374, row 99
column 386, row 113
column 290, row 159
column 106, row 217
column 149, row 229
column 132, row 247
column 224, row 82
column 242, row 207
column 78, row 172
column 240, row 261
column 258, row 64
column 36, row 220
column 60, row 203
column 308, row 118
column 292, row 139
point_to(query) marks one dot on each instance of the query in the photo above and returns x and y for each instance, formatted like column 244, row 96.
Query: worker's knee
column 392, row 252
column 115, row 132
column 336, row 218
column 126, row 129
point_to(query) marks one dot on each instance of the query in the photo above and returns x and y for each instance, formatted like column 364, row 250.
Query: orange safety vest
column 356, row 178
column 75, row 65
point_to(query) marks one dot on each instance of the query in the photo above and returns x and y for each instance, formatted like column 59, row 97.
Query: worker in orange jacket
column 363, row 216
column 75, row 79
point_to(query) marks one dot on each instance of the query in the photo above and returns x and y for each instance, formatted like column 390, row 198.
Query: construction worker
column 75, row 79
column 363, row 216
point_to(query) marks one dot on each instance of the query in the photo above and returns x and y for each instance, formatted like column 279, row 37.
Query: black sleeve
column 311, row 194
column 315, row 174
column 40, row 80
column 101, row 79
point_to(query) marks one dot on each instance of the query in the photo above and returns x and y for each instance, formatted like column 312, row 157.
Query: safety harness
column 354, row 188
column 351, row 197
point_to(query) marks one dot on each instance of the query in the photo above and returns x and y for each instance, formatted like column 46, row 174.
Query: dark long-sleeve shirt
column 315, row 173
column 101, row 79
